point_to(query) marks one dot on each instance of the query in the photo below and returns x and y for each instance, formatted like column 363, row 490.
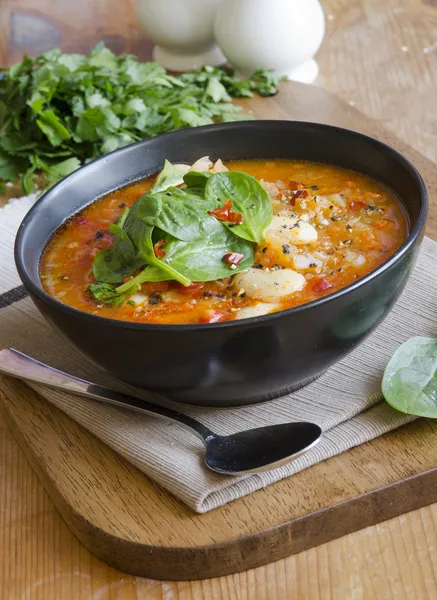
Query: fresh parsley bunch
column 58, row 111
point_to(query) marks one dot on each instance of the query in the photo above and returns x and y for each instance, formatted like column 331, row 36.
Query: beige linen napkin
column 346, row 401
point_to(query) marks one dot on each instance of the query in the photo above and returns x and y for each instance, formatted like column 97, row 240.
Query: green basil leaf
column 178, row 212
column 410, row 378
column 248, row 198
column 202, row 259
column 116, row 263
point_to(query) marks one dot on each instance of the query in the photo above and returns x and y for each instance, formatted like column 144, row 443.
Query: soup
column 211, row 243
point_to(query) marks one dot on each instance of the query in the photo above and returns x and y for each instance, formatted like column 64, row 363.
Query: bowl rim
column 68, row 310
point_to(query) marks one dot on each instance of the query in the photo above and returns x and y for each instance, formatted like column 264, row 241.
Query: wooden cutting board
column 134, row 525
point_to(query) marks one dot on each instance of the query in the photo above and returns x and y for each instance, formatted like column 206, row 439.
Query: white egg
column 269, row 286
column 261, row 308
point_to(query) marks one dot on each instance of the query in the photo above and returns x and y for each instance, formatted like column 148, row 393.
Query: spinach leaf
column 410, row 378
column 140, row 234
column 116, row 263
column 197, row 179
column 117, row 296
column 178, row 212
column 248, row 198
column 122, row 218
column 202, row 259
column 171, row 175
column 107, row 294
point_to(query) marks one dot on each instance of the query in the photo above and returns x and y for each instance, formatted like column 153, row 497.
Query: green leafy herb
column 119, row 261
column 177, row 212
column 59, row 110
column 248, row 198
column 171, row 175
column 107, row 294
column 202, row 259
column 195, row 179
column 410, row 378
column 140, row 234
column 118, row 295
column 172, row 234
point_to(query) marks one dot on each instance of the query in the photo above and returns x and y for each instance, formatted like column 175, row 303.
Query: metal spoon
column 244, row 452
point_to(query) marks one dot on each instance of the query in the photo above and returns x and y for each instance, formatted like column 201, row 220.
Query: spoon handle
column 17, row 364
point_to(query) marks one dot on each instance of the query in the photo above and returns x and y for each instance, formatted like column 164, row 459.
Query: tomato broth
column 330, row 227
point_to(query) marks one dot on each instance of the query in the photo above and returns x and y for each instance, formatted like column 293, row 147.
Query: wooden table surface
column 380, row 56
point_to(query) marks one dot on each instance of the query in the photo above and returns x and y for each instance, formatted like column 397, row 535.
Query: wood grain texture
column 362, row 61
column 114, row 510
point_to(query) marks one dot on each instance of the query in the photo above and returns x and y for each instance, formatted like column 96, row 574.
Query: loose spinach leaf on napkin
column 248, row 198
column 410, row 378
column 58, row 111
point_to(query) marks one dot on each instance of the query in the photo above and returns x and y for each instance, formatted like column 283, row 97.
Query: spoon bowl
column 259, row 449
column 244, row 452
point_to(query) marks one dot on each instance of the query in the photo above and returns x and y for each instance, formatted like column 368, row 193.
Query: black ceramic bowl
column 236, row 362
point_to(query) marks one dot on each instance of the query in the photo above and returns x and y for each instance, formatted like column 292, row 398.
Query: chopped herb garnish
column 59, row 110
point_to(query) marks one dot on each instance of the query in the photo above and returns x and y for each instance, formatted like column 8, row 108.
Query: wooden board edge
column 240, row 554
